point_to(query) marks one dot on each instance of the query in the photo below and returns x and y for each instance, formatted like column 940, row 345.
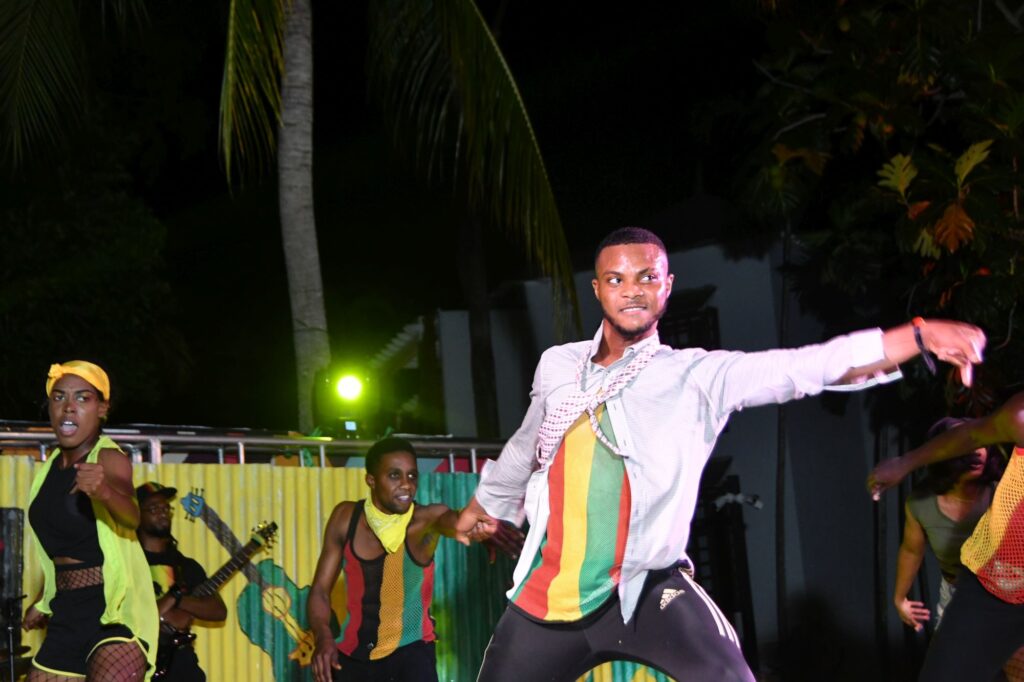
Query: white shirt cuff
column 866, row 348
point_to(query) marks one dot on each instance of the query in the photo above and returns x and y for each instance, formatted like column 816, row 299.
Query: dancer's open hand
column 886, row 475
column 913, row 613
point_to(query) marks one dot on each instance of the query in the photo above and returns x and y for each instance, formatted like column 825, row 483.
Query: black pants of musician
column 676, row 629
column 979, row 632
column 416, row 662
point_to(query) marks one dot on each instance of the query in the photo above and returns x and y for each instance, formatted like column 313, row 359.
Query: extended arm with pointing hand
column 957, row 343
column 1005, row 425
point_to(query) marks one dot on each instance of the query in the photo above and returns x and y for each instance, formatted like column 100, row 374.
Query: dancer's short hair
column 629, row 235
column 384, row 447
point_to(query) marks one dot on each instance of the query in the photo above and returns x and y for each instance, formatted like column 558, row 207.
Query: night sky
column 634, row 108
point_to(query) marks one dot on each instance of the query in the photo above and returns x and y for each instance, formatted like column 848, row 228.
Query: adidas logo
column 667, row 595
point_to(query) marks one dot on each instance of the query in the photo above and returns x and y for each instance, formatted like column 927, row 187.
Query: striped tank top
column 995, row 551
column 580, row 559
column 388, row 600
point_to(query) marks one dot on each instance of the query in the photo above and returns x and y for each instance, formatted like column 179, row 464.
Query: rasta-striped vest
column 580, row 560
column 388, row 600
column 995, row 551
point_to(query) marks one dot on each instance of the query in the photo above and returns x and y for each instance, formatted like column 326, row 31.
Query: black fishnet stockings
column 80, row 577
column 37, row 675
column 114, row 662
column 117, row 662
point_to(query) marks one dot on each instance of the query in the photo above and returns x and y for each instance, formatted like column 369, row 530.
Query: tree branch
column 942, row 99
column 783, row 83
column 797, row 124
column 1012, row 17
column 1009, row 329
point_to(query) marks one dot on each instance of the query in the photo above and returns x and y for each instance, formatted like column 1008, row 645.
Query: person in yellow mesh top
column 984, row 623
column 82, row 515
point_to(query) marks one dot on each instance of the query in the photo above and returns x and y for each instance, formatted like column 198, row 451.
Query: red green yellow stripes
column 406, row 587
column 388, row 604
column 392, row 599
column 995, row 551
column 355, row 584
column 580, row 558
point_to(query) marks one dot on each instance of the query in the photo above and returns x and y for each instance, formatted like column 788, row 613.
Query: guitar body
column 173, row 664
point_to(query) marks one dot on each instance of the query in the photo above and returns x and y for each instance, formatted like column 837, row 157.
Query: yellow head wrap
column 389, row 528
column 94, row 374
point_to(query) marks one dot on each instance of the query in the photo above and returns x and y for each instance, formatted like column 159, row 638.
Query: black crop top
column 65, row 524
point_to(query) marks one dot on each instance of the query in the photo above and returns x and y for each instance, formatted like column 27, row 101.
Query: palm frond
column 125, row 12
column 447, row 92
column 250, row 100
column 41, row 69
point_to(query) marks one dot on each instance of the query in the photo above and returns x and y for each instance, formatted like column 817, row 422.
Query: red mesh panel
column 995, row 551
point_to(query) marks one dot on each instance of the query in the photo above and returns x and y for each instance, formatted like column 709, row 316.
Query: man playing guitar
column 174, row 577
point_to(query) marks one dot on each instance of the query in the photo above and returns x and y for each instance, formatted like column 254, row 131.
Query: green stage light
column 349, row 387
column 346, row 401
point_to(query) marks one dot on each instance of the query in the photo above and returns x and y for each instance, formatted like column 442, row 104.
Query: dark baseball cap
column 150, row 488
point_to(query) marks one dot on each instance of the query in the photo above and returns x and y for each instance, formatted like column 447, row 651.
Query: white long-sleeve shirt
column 665, row 423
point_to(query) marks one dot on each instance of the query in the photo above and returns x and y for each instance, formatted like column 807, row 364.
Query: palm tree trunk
column 295, row 196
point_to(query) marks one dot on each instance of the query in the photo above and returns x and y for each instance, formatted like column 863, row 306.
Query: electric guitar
column 172, row 638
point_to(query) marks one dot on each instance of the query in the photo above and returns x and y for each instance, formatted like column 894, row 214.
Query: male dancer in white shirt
column 607, row 463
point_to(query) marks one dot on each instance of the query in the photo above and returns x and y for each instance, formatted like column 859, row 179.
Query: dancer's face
column 76, row 412
column 633, row 285
column 393, row 485
column 977, row 465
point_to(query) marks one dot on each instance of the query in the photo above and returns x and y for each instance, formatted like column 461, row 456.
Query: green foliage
column 448, row 94
column 42, row 70
column 974, row 155
column 250, row 96
column 918, row 108
column 897, row 175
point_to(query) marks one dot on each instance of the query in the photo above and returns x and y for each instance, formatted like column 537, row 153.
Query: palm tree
column 448, row 94
column 268, row 85
column 442, row 79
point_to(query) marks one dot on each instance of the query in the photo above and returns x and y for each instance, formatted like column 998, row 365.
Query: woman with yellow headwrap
column 97, row 588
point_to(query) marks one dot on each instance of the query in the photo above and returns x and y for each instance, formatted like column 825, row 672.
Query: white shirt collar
column 595, row 344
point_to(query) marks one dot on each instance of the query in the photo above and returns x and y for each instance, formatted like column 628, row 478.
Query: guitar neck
column 228, row 541
column 213, row 583
column 220, row 530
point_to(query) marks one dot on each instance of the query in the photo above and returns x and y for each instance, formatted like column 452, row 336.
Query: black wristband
column 926, row 354
column 177, row 594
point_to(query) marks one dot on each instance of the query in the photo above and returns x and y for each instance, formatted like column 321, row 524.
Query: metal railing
column 233, row 448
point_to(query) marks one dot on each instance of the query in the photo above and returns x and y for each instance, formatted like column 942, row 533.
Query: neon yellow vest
column 127, row 581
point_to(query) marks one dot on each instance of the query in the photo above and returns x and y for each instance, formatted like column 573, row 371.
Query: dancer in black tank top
column 82, row 500
column 385, row 546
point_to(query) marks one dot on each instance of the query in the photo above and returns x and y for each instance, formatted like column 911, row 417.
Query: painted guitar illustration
column 173, row 638
column 285, row 635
